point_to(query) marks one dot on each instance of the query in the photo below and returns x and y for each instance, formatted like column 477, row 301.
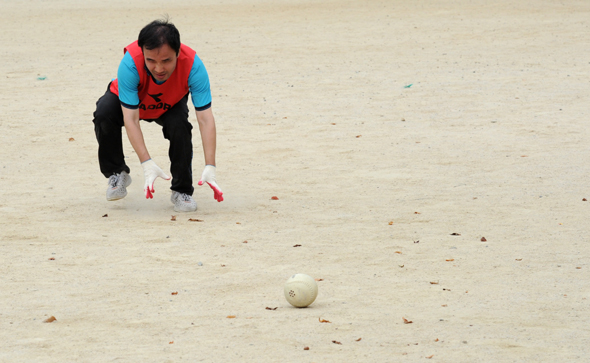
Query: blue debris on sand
column 41, row 78
column 408, row 86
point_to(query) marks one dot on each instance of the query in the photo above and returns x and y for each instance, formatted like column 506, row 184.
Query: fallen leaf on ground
column 436, row 340
column 391, row 223
column 231, row 316
column 172, row 342
column 358, row 340
column 483, row 239
column 519, row 259
column 296, row 245
column 357, row 136
column 306, row 348
column 398, row 252
column 195, row 220
column 417, row 213
column 51, row 258
column 72, row 139
column 106, row 215
column 430, row 357
column 319, row 279
column 267, row 308
column 444, row 306
column 245, row 242
column 433, row 282
column 275, row 198
column 336, row 342
column 173, row 218
column 175, row 293
column 324, row 320
column 406, row 321
column 450, row 259
column 584, row 200
column 51, row 319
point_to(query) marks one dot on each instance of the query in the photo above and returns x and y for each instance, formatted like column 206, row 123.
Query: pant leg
column 178, row 130
column 108, row 121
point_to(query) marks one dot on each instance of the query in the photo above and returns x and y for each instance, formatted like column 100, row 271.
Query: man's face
column 161, row 62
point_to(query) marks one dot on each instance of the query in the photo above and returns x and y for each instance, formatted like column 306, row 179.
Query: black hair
column 157, row 33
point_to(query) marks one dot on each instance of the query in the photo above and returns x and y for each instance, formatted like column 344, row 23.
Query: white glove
column 151, row 171
column 208, row 177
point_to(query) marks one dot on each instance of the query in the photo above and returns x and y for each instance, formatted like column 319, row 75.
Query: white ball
column 301, row 290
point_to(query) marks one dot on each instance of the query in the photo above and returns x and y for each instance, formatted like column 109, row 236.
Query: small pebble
column 200, row 263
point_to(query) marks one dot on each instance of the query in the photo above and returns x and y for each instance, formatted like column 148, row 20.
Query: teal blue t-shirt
column 128, row 78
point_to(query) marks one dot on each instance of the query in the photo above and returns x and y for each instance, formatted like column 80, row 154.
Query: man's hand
column 151, row 171
column 208, row 177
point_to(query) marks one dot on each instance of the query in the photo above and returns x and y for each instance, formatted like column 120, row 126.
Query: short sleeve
column 128, row 79
column 198, row 83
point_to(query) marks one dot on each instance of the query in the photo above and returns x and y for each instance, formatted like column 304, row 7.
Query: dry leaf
column 335, row 342
column 267, row 308
column 519, row 259
column 584, row 200
column 222, row 265
column 436, row 340
column 430, row 357
column 275, row 198
column 172, row 342
column 51, row 258
column 483, row 239
column 195, row 220
column 417, row 213
column 455, row 234
column 319, row 279
column 333, row 123
column 358, row 340
column 391, row 223
column 417, row 241
column 406, row 321
column 444, row 306
column 450, row 259
column 324, row 320
column 578, row 268
column 524, row 156
column 175, row 293
column 106, row 215
column 398, row 252
column 306, row 348
column 238, row 223
column 50, row 319
column 433, row 283
column 402, row 266
column 357, row 136
column 173, row 218
column 72, row 139
column 297, row 246
column 231, row 316
column 245, row 242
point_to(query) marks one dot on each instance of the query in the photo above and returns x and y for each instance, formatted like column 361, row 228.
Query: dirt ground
column 429, row 157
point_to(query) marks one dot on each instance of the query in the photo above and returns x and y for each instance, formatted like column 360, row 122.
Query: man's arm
column 209, row 139
column 208, row 134
column 151, row 171
column 131, row 119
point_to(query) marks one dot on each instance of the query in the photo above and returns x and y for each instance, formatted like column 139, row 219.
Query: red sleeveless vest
column 155, row 99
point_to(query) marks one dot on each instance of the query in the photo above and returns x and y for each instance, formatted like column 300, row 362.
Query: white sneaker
column 118, row 184
column 183, row 202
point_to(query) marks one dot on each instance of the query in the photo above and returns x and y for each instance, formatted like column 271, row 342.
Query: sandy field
column 430, row 160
